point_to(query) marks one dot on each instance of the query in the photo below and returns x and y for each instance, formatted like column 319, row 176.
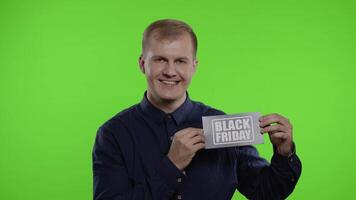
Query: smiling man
column 155, row 149
column 168, row 61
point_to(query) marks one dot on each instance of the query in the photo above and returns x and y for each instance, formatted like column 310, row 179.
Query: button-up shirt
column 130, row 160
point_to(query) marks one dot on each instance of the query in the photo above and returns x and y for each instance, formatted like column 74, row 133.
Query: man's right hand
column 185, row 144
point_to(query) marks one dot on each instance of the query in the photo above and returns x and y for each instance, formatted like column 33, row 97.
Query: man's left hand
column 280, row 132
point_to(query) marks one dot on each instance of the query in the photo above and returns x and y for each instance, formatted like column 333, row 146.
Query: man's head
column 168, row 29
column 168, row 60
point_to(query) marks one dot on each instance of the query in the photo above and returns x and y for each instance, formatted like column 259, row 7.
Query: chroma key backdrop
column 68, row 66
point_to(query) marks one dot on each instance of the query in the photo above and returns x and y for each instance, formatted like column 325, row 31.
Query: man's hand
column 280, row 132
column 185, row 144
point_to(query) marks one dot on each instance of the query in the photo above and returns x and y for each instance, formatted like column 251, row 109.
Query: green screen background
column 68, row 66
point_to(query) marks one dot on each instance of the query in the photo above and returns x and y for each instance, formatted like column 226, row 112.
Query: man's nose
column 170, row 70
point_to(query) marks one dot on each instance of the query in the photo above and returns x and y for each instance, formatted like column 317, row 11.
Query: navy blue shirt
column 130, row 160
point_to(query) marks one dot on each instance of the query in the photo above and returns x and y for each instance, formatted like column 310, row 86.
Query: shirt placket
column 170, row 128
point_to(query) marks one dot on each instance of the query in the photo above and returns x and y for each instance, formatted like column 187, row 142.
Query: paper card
column 232, row 130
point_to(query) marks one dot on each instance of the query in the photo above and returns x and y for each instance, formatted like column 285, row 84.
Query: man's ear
column 195, row 65
column 141, row 63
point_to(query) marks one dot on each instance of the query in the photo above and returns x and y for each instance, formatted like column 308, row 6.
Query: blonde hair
column 168, row 29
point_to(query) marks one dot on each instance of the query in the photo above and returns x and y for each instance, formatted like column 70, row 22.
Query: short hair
column 168, row 29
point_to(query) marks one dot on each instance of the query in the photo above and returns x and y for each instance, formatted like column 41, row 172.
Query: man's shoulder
column 207, row 110
column 119, row 119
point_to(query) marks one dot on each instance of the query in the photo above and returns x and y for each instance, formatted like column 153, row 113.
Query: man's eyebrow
column 182, row 58
column 162, row 57
column 154, row 57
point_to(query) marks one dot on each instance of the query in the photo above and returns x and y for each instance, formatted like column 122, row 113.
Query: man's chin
column 170, row 98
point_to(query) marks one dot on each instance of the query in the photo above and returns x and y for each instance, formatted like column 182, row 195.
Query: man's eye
column 180, row 61
column 160, row 60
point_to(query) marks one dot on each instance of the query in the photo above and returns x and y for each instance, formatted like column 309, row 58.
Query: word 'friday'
column 232, row 130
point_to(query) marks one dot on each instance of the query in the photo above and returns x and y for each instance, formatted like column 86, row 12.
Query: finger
column 275, row 128
column 182, row 132
column 278, row 135
column 198, row 132
column 198, row 146
column 273, row 118
column 193, row 132
column 270, row 118
column 189, row 134
column 196, row 139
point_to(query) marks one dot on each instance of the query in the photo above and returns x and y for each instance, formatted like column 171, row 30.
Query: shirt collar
column 158, row 115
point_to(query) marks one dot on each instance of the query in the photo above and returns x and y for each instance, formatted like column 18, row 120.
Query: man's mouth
column 169, row 83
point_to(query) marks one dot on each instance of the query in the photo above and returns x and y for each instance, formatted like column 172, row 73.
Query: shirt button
column 179, row 180
column 169, row 116
column 291, row 160
column 292, row 179
column 179, row 196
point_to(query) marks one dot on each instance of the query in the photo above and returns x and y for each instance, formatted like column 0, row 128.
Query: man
column 155, row 149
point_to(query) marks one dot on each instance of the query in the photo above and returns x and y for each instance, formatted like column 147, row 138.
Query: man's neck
column 166, row 106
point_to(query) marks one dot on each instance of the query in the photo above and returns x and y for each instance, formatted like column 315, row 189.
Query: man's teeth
column 170, row 82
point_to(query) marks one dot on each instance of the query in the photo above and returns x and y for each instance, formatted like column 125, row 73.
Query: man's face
column 168, row 66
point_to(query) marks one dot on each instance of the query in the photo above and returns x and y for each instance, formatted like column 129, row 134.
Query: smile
column 170, row 83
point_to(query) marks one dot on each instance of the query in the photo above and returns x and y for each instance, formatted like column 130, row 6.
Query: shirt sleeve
column 258, row 179
column 112, row 180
